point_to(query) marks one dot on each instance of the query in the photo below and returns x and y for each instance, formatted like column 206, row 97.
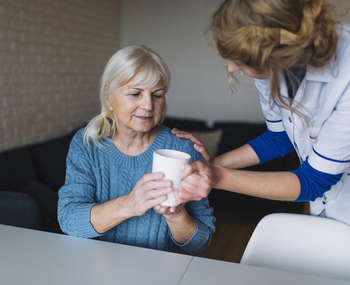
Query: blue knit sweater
column 96, row 175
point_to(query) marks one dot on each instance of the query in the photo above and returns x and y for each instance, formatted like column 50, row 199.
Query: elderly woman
column 110, row 192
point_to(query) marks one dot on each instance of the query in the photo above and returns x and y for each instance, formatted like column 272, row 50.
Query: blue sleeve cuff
column 75, row 220
column 271, row 145
column 314, row 183
column 203, row 216
column 198, row 242
column 83, row 226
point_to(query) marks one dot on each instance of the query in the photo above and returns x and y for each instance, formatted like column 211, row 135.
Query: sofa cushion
column 241, row 130
column 17, row 169
column 50, row 160
column 185, row 124
column 46, row 199
column 19, row 209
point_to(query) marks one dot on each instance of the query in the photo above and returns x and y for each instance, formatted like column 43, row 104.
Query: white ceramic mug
column 170, row 162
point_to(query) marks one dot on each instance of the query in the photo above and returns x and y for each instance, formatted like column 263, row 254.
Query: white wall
column 176, row 30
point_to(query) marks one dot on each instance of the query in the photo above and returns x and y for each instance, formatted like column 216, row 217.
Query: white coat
column 324, row 96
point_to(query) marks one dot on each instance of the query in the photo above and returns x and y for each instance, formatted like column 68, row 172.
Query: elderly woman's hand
column 168, row 211
column 148, row 192
column 198, row 145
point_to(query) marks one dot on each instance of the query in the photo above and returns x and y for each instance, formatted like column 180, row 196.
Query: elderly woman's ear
column 108, row 103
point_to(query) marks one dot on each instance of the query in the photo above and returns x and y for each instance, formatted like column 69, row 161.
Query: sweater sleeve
column 202, row 213
column 76, row 197
column 271, row 145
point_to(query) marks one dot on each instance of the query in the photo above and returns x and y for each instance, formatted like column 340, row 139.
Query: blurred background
column 53, row 52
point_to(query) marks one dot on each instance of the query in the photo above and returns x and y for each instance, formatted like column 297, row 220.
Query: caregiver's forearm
column 269, row 185
column 238, row 158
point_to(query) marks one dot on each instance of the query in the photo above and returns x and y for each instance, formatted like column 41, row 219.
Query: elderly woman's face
column 137, row 107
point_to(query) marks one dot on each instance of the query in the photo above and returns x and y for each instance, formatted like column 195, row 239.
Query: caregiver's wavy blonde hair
column 120, row 69
column 275, row 35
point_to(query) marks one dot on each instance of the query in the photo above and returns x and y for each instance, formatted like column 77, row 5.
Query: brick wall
column 52, row 54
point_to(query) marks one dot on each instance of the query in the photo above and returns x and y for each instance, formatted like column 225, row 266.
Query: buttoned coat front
column 324, row 97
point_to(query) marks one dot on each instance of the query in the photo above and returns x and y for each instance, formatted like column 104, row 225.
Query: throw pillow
column 210, row 139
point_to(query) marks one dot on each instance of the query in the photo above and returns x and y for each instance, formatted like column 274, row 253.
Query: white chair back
column 301, row 243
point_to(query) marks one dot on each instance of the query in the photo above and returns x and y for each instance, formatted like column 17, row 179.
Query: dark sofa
column 29, row 181
column 32, row 175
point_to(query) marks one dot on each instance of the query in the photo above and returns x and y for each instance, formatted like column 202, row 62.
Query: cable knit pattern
column 96, row 175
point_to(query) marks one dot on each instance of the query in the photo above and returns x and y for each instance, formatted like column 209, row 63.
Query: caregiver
column 300, row 59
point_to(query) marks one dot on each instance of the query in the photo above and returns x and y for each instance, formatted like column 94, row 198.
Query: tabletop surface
column 36, row 257
column 206, row 271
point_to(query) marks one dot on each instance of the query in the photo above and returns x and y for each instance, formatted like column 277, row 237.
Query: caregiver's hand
column 198, row 145
column 198, row 179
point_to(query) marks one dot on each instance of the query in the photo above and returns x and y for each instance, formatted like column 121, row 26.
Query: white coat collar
column 323, row 74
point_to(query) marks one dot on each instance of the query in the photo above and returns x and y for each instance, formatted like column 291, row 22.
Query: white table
column 34, row 257
column 40, row 258
column 207, row 271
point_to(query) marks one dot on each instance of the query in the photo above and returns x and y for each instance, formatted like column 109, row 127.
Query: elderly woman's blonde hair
column 120, row 69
